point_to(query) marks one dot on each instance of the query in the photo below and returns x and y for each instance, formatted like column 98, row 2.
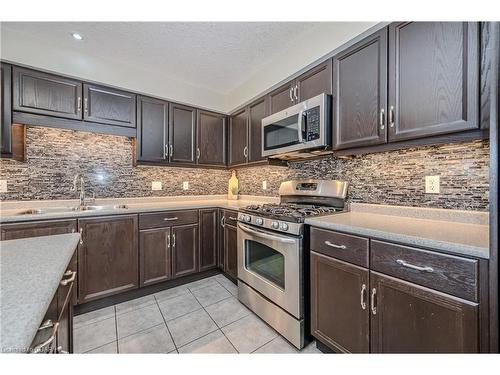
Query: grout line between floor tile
column 100, row 346
column 116, row 331
column 166, row 325
column 274, row 338
column 210, row 316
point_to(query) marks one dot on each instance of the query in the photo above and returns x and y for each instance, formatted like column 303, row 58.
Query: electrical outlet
column 3, row 186
column 432, row 184
column 185, row 185
column 156, row 185
column 264, row 185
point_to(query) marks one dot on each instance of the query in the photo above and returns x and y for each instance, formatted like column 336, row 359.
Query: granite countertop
column 10, row 211
column 31, row 270
column 452, row 231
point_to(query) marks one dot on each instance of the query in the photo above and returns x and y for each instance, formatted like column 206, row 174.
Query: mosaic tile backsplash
column 55, row 156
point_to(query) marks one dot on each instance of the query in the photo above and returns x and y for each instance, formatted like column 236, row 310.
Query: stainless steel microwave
column 301, row 128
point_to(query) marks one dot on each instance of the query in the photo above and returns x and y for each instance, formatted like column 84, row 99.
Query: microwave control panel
column 313, row 123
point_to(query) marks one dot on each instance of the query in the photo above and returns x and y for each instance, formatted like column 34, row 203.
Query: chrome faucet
column 82, row 188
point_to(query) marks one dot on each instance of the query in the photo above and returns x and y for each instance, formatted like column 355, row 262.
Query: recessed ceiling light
column 77, row 36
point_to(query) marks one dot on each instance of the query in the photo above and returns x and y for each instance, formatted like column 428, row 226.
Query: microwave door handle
column 299, row 126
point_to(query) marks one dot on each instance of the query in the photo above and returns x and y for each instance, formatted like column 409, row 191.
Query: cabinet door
column 65, row 300
column 182, row 134
column 238, row 138
column 152, row 130
column 37, row 229
column 108, row 106
column 360, row 93
column 154, row 256
column 185, row 249
column 5, row 109
column 46, row 94
column 282, row 98
column 107, row 257
column 339, row 306
column 413, row 319
column 256, row 112
column 208, row 239
column 211, row 138
column 316, row 81
column 231, row 250
column 433, row 78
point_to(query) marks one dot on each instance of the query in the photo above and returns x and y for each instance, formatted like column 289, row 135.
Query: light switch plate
column 264, row 185
column 185, row 185
column 156, row 185
column 3, row 186
column 432, row 185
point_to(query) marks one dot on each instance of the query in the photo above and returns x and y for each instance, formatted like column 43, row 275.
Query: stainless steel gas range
column 272, row 253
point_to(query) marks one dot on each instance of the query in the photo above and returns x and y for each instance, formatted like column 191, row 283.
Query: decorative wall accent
column 55, row 156
column 395, row 177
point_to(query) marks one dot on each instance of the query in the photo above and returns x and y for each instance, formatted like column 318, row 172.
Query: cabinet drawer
column 167, row 218
column 231, row 217
column 345, row 247
column 447, row 273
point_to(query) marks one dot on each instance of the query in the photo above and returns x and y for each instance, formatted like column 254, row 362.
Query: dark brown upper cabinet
column 433, row 78
column 108, row 106
column 412, row 319
column 315, row 81
column 152, row 130
column 339, row 304
column 155, row 260
column 256, row 112
column 182, row 134
column 108, row 256
column 184, row 250
column 208, row 239
column 238, row 138
column 46, row 94
column 360, row 93
column 211, row 138
column 5, row 109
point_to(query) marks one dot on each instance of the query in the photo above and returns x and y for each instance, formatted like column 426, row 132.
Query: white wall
column 25, row 49
column 306, row 49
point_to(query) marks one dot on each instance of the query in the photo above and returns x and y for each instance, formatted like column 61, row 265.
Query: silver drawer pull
column 65, row 282
column 170, row 218
column 233, row 218
column 60, row 350
column 328, row 243
column 413, row 267
column 45, row 347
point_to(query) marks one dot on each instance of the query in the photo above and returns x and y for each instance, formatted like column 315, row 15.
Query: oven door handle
column 244, row 228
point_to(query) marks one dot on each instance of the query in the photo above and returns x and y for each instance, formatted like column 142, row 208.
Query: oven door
column 271, row 264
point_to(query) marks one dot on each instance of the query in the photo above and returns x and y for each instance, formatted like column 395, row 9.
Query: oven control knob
column 284, row 226
column 275, row 225
column 247, row 218
column 259, row 221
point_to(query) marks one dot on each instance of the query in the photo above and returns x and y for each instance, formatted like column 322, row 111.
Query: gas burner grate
column 291, row 211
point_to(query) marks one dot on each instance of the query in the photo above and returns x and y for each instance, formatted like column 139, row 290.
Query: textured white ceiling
column 219, row 56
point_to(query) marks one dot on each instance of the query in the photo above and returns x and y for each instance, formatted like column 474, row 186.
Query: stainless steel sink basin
column 49, row 210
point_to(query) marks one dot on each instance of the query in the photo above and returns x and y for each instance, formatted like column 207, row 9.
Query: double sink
column 55, row 210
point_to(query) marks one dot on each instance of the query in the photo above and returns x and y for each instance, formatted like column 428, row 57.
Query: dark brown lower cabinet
column 408, row 318
column 184, row 250
column 154, row 256
column 208, row 239
column 231, row 251
column 107, row 256
column 339, row 308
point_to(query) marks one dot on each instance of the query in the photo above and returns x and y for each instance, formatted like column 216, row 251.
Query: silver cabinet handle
column 290, row 94
column 197, row 153
column 65, row 282
column 245, row 151
column 81, row 236
column 165, row 152
column 413, row 267
column 171, row 148
column 295, row 90
column 60, row 350
column 168, row 241
column 233, row 218
column 363, row 297
column 173, row 240
column 328, row 243
column 79, row 104
column 170, row 218
column 86, row 105
column 391, row 116
column 373, row 301
column 42, row 347
column 223, row 221
column 382, row 119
